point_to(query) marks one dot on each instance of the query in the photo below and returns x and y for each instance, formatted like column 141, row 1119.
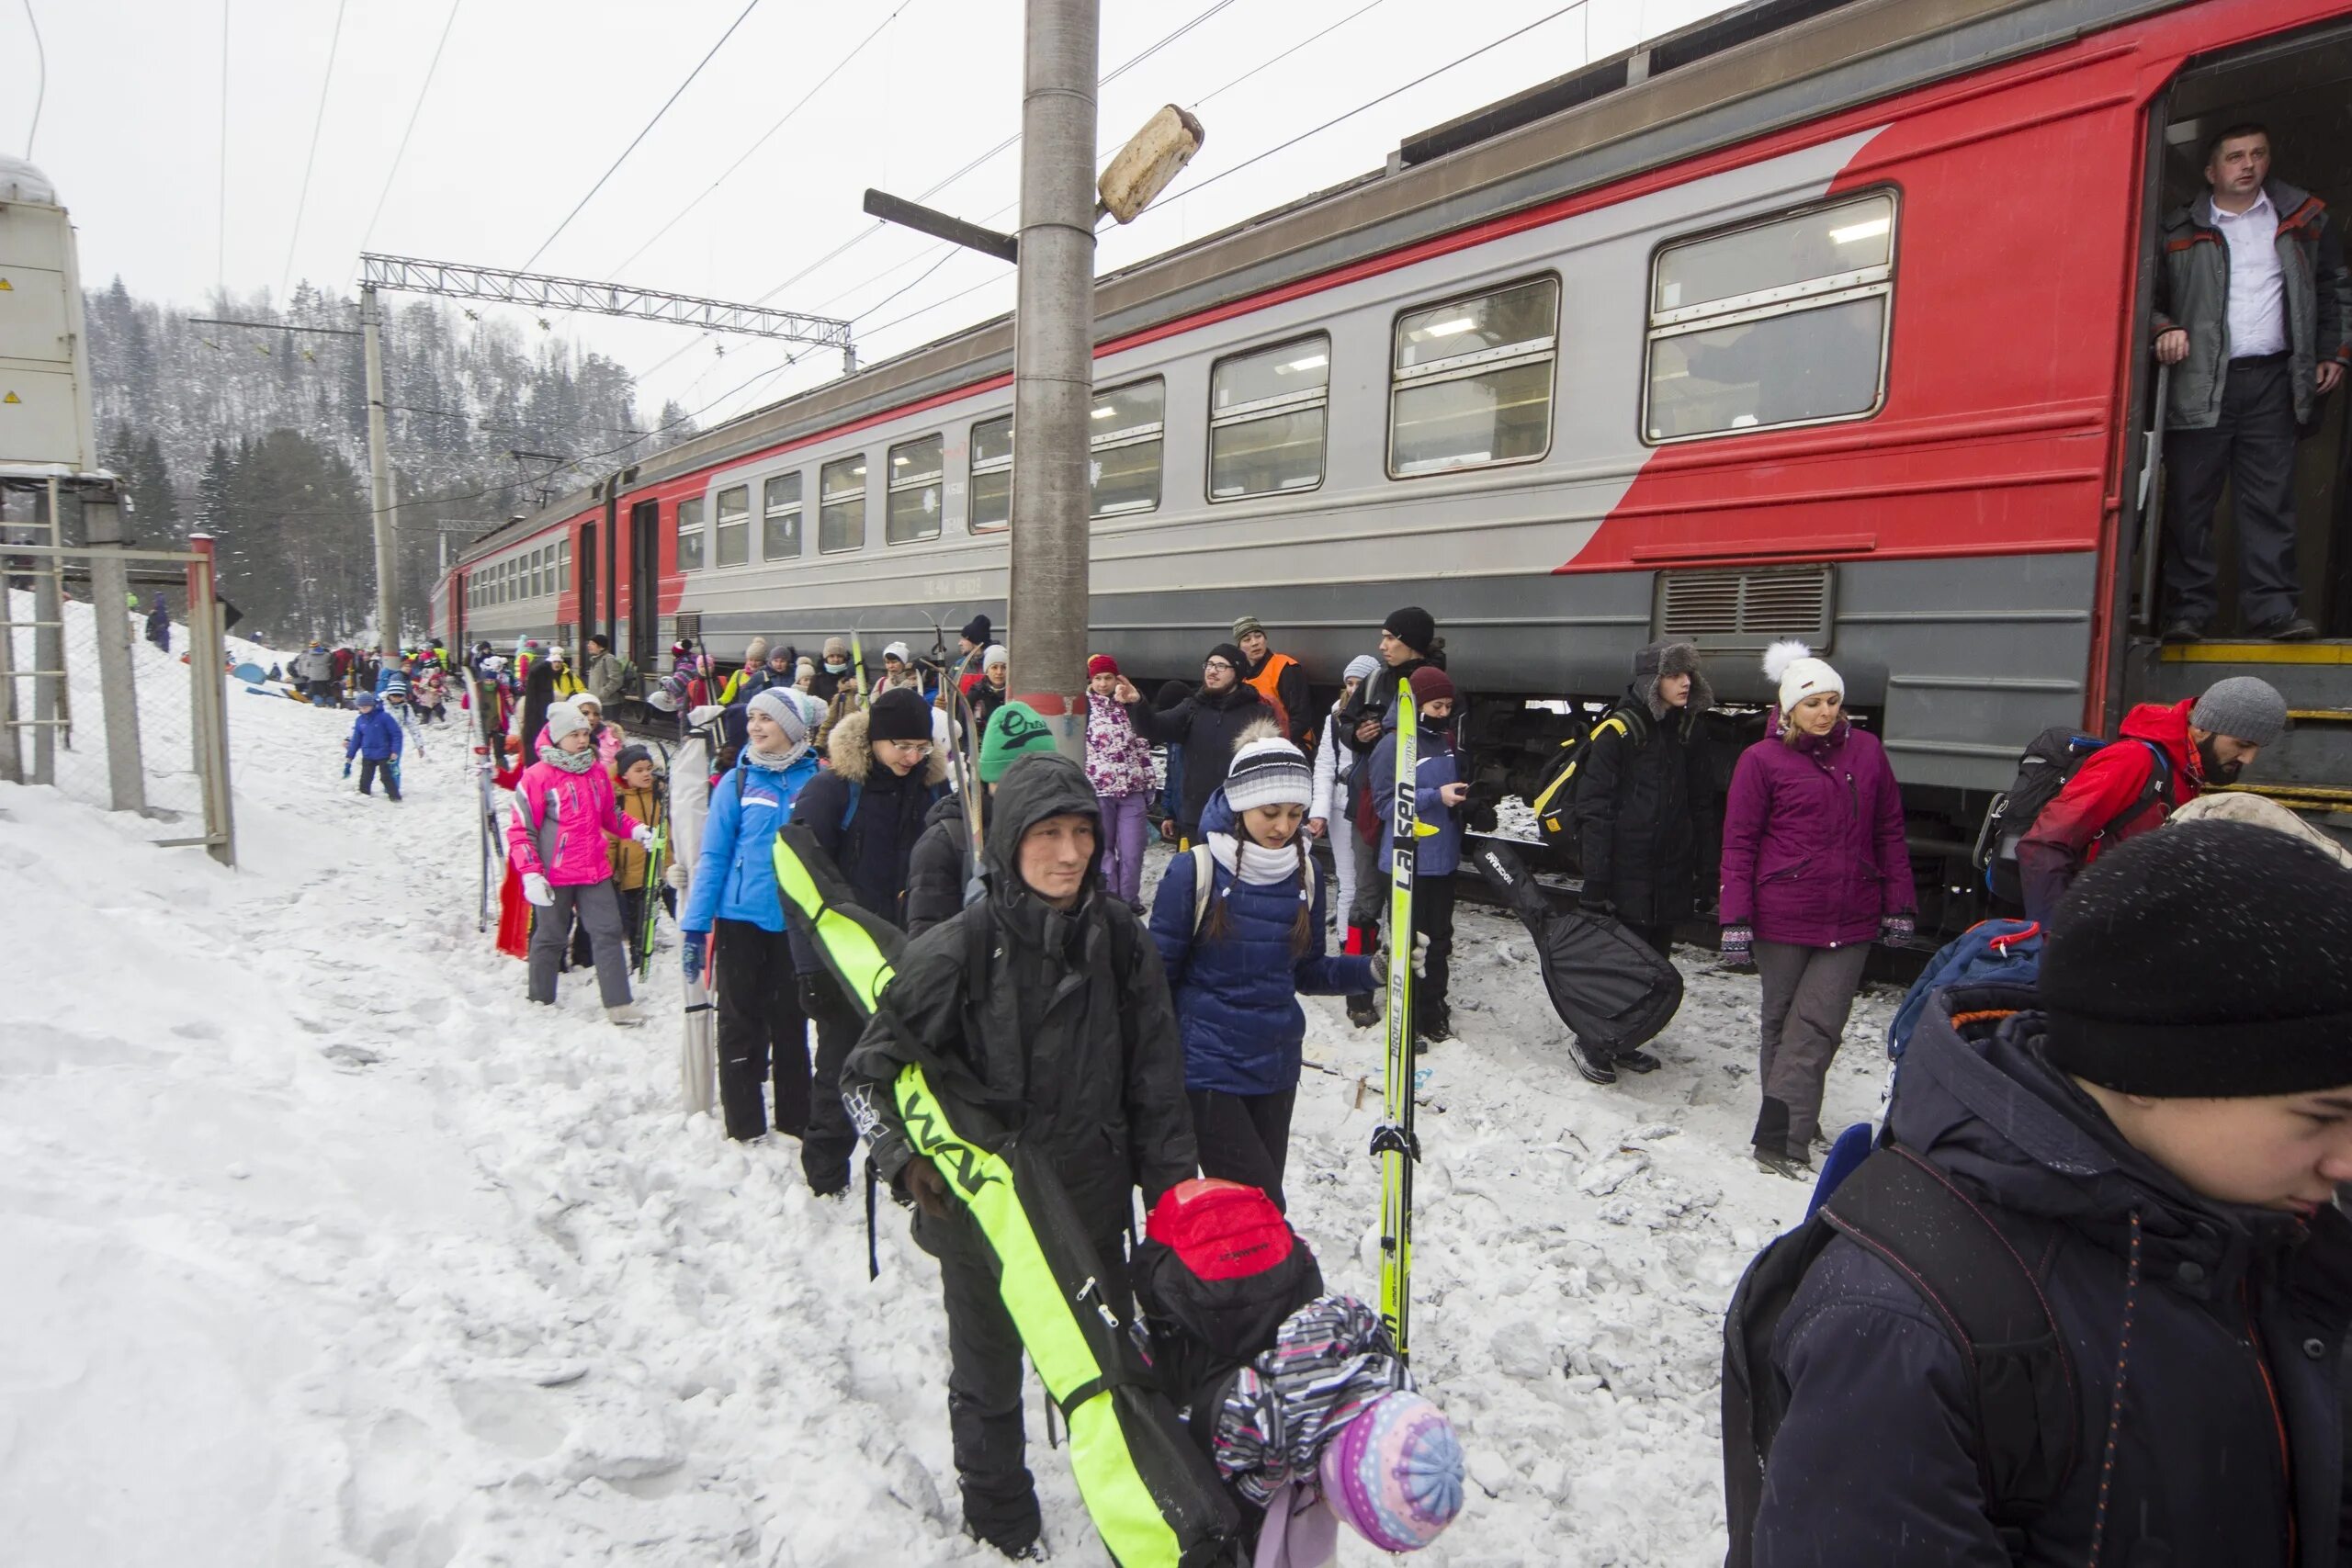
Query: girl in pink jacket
column 563, row 811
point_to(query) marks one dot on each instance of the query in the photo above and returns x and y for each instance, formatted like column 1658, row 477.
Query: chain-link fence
column 105, row 694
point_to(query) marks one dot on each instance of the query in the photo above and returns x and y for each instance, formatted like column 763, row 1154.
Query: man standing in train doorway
column 2251, row 301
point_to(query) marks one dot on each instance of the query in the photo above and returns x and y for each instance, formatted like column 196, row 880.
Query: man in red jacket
column 2121, row 793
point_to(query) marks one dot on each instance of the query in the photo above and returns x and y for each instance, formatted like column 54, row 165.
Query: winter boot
column 1635, row 1061
column 1362, row 1012
column 1433, row 1027
column 1780, row 1162
column 626, row 1016
column 1592, row 1063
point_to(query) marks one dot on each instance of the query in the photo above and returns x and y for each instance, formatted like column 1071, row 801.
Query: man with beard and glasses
column 2168, row 755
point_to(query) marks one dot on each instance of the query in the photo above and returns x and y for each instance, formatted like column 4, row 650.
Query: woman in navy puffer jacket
column 1238, row 960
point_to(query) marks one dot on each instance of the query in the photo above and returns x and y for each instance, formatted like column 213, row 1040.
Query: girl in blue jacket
column 1240, row 948
column 733, row 897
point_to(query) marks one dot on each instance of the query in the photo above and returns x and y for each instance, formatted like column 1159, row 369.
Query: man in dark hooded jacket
column 1048, row 1001
column 1207, row 725
column 1647, row 821
column 2158, row 1131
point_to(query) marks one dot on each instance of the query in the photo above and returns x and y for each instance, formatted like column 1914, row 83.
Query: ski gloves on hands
column 642, row 836
column 1895, row 931
column 692, row 953
column 676, row 875
column 1738, row 946
column 535, row 889
column 346, row 767
column 1420, row 960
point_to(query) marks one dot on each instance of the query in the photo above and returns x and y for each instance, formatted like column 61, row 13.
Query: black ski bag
column 1608, row 985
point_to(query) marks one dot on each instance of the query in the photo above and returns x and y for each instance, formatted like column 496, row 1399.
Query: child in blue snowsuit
column 1238, row 953
column 375, row 742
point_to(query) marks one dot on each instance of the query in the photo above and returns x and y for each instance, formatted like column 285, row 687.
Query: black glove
column 812, row 995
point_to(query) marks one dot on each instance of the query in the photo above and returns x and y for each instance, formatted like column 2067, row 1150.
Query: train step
column 2311, row 766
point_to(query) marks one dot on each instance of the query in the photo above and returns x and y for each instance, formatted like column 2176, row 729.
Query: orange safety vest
column 1264, row 682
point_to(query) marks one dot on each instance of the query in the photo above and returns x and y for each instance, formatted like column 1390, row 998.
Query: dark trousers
column 326, row 694
column 826, row 1147
column 1433, row 918
column 1371, row 889
column 370, row 768
column 633, row 923
column 1244, row 1137
column 2253, row 450
column 600, row 914
column 1660, row 938
column 761, row 1031
column 984, row 1377
column 1808, row 992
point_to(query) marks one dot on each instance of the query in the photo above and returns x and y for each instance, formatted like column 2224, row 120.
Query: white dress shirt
column 2257, row 312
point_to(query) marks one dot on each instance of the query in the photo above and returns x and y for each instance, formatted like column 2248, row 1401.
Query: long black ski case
column 1608, row 985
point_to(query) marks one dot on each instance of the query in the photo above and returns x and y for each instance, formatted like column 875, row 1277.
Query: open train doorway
column 2299, row 90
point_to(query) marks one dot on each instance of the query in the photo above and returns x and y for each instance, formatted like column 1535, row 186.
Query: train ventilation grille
column 1738, row 608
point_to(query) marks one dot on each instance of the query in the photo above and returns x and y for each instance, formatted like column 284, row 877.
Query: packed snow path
column 324, row 1247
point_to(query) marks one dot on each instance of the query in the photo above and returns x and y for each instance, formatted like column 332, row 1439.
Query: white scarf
column 1251, row 861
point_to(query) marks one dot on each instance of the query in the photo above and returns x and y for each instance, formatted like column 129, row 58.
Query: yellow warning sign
column 7, row 286
column 11, row 398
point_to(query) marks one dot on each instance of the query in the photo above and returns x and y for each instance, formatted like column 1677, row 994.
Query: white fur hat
column 1793, row 666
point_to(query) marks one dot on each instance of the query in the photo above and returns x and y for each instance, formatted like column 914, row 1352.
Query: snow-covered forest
column 260, row 437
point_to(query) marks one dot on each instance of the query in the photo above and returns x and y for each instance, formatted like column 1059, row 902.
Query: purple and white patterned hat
column 1394, row 1474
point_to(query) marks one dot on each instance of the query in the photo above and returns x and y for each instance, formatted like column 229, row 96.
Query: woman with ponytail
column 1239, row 925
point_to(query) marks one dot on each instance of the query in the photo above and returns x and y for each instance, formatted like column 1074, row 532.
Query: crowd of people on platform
column 1158, row 1044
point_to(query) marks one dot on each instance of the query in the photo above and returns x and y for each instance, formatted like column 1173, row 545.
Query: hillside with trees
column 259, row 437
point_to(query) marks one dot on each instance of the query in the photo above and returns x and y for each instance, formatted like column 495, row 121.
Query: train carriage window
column 690, row 535
column 538, row 572
column 841, row 505
column 780, row 530
column 918, row 469
column 1471, row 384
column 991, row 474
column 1267, row 412
column 734, row 529
column 1125, row 467
column 1783, row 323
column 563, row 567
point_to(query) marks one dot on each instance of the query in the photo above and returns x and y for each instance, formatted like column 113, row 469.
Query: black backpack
column 2028, row 1400
column 1554, row 795
column 2049, row 760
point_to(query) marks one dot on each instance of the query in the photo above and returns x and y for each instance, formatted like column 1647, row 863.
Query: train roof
column 1745, row 73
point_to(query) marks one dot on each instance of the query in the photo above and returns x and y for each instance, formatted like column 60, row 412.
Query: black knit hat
column 2208, row 959
column 1413, row 627
column 898, row 714
column 628, row 756
column 1231, row 655
column 976, row 631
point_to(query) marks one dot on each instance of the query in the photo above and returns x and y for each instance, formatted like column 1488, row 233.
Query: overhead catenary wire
column 839, row 67
column 41, row 93
column 334, row 42
column 641, row 135
column 1105, row 80
column 417, row 110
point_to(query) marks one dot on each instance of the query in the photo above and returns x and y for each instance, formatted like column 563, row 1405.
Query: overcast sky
column 530, row 104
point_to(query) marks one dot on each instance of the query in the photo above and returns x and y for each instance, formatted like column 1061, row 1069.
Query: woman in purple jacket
column 1813, row 870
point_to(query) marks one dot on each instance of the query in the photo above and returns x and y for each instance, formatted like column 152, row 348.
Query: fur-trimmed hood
column 1662, row 658
column 852, row 757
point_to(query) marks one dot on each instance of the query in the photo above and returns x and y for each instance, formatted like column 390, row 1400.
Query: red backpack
column 1217, row 1272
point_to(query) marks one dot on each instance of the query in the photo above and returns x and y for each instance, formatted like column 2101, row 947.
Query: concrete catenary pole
column 1052, row 366
column 109, row 592
column 379, row 476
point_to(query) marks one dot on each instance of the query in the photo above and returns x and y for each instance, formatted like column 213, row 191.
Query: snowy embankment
column 325, row 1248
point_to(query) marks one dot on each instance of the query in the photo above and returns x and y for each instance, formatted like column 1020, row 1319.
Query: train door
column 2299, row 89
column 644, row 582
column 589, row 624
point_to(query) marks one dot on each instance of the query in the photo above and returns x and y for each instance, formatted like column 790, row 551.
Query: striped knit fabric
column 1331, row 1359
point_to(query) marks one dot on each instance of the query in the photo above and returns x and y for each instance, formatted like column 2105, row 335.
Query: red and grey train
column 1814, row 321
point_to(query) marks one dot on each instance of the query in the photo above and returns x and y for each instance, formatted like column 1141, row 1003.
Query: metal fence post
column 12, row 768
column 49, row 643
column 209, row 701
column 117, row 686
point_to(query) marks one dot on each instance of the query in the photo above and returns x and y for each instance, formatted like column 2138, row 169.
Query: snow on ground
column 326, row 1248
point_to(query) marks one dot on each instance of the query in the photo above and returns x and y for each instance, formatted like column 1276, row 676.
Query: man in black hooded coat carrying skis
column 1051, row 1000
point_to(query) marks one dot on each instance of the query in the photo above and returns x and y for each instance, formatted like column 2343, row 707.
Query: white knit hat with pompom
column 1791, row 667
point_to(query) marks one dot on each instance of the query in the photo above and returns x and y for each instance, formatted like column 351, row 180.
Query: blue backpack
column 2002, row 952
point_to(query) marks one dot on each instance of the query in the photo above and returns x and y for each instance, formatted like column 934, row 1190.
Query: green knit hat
column 1015, row 731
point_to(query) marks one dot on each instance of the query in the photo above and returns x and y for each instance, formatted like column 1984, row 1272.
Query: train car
column 1827, row 321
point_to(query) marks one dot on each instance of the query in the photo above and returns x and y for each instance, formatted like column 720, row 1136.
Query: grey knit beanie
column 2244, row 707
